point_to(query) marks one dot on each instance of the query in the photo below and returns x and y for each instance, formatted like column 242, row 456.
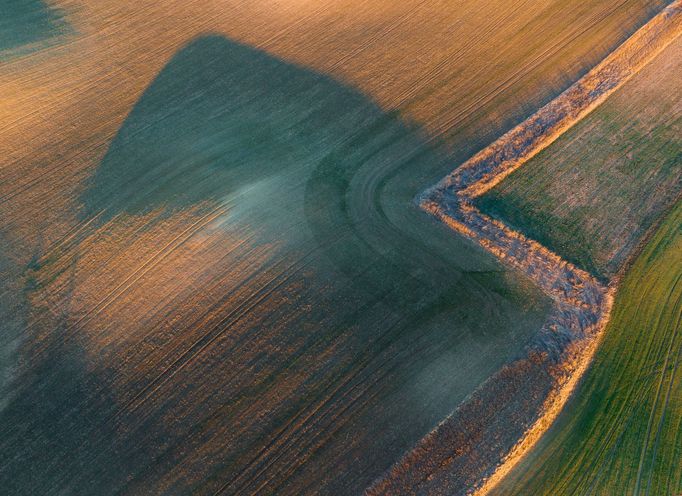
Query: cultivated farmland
column 215, row 279
column 593, row 194
column 565, row 345
column 232, row 262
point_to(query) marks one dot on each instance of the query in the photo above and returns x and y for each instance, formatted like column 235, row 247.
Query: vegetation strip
column 621, row 433
column 565, row 345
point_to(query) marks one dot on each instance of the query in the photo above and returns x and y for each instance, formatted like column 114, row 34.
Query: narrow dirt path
column 475, row 447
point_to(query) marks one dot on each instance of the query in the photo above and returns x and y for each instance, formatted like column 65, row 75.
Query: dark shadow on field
column 51, row 432
column 13, row 309
column 218, row 118
column 27, row 24
column 410, row 319
column 55, row 437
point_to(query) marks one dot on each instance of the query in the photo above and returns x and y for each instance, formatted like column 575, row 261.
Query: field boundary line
column 569, row 339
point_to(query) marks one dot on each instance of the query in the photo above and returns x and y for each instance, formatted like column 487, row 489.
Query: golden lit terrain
column 215, row 279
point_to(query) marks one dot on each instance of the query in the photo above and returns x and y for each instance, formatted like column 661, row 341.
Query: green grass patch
column 621, row 432
column 593, row 195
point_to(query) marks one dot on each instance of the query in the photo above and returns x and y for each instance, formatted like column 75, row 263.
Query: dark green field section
column 622, row 433
column 27, row 24
column 593, row 194
column 329, row 324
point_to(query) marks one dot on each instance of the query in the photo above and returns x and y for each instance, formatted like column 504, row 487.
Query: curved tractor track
column 490, row 432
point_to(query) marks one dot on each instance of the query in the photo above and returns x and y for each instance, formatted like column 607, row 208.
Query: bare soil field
column 214, row 276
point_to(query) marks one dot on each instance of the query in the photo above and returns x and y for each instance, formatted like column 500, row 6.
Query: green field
column 593, row 194
column 622, row 432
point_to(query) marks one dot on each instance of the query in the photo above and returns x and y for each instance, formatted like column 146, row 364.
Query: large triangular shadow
column 217, row 123
column 221, row 116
